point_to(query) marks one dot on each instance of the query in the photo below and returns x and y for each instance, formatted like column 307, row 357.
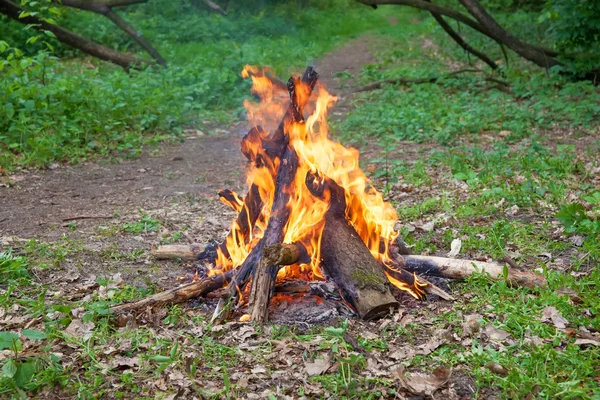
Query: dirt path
column 177, row 186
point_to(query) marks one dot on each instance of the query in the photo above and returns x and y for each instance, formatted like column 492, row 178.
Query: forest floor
column 85, row 233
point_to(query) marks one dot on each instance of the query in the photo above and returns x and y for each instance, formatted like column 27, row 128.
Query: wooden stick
column 263, row 281
column 176, row 295
column 460, row 269
column 76, row 217
column 432, row 289
column 175, row 251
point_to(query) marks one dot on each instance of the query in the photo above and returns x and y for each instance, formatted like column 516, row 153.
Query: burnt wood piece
column 232, row 199
column 286, row 172
column 177, row 295
column 262, row 284
column 460, row 269
column 247, row 217
column 263, row 150
column 345, row 258
column 274, row 146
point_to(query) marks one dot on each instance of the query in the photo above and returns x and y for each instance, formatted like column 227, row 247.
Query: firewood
column 262, row 283
column 247, row 217
column 175, row 251
column 417, row 285
column 346, row 260
column 176, row 295
column 286, row 172
column 460, row 269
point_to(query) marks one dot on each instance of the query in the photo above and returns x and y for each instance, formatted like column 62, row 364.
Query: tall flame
column 371, row 216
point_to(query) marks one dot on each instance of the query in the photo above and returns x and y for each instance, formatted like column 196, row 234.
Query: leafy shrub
column 575, row 27
column 576, row 219
column 56, row 109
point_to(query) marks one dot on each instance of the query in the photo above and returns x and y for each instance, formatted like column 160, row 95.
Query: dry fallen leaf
column 317, row 367
column 551, row 314
column 495, row 334
column 259, row 369
column 455, row 248
column 498, row 369
column 427, row 227
column 578, row 240
column 423, row 384
column 120, row 362
column 471, row 325
column 79, row 329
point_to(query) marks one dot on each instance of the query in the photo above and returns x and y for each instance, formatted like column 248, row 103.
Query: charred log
column 284, row 180
column 246, row 219
column 345, row 258
column 263, row 283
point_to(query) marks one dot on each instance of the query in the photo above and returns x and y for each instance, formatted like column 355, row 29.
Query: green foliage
column 146, row 224
column 58, row 110
column 17, row 373
column 12, row 268
column 575, row 27
column 447, row 112
column 576, row 219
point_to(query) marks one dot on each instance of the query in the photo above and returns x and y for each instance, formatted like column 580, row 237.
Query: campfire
column 310, row 214
column 310, row 210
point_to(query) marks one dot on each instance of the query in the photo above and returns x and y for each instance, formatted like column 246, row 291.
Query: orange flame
column 371, row 216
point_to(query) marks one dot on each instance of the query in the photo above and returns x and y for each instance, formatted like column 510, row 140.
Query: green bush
column 57, row 109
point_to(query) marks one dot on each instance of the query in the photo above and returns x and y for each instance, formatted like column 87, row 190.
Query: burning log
column 262, row 283
column 460, row 269
column 177, row 295
column 284, row 180
column 345, row 258
column 249, row 212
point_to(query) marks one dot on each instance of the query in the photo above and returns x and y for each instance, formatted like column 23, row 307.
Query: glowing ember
column 372, row 217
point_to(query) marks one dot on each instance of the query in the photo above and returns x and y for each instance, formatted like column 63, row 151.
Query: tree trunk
column 104, row 7
column 124, row 60
column 496, row 32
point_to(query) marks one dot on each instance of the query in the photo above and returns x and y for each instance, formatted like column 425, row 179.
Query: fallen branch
column 14, row 11
column 176, row 295
column 215, row 7
column 76, row 217
column 178, row 251
column 104, row 7
column 407, row 81
column 460, row 269
column 456, row 15
column 461, row 42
